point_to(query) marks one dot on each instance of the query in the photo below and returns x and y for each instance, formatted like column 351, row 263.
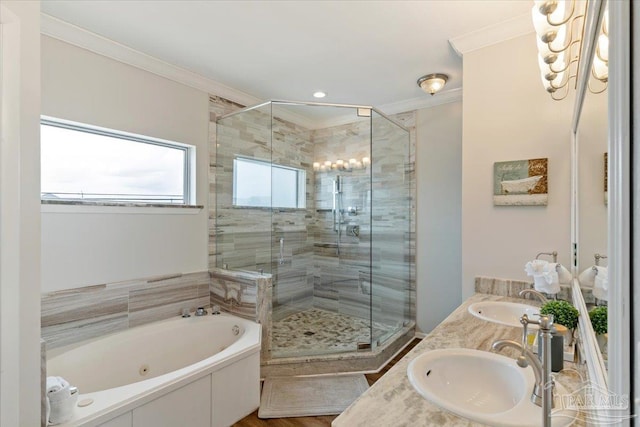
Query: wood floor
column 252, row 420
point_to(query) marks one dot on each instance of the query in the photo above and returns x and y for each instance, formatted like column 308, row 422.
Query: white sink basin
column 484, row 387
column 504, row 313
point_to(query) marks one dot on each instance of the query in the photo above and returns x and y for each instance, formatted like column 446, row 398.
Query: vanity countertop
column 392, row 400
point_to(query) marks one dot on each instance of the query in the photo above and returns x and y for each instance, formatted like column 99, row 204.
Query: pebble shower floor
column 316, row 331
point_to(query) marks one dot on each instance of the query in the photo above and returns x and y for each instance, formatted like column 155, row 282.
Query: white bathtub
column 198, row 371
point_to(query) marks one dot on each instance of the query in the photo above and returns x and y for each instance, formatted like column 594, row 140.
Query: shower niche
column 324, row 212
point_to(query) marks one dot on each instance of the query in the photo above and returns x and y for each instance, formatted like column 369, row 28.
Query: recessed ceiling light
column 319, row 94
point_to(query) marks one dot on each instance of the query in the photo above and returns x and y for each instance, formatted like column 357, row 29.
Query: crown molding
column 493, row 34
column 426, row 101
column 72, row 34
column 85, row 39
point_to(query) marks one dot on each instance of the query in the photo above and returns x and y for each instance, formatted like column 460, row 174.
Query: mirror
column 591, row 211
column 590, row 219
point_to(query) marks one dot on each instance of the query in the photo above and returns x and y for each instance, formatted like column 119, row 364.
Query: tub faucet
column 523, row 293
column 200, row 311
column 542, row 394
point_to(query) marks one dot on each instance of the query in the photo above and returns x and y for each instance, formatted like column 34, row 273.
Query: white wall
column 507, row 115
column 20, row 220
column 439, row 200
column 80, row 248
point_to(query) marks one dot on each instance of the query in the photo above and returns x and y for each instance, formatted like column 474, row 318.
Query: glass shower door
column 320, row 241
column 391, row 249
column 243, row 200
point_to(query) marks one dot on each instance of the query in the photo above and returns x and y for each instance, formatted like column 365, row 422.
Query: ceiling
column 359, row 52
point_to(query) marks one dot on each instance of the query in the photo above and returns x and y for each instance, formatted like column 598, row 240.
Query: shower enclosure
column 318, row 196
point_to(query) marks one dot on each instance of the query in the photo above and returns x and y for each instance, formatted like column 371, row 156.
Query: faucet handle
column 524, row 321
column 546, row 321
column 185, row 312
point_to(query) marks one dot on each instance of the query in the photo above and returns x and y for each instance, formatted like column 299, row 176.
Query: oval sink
column 469, row 380
column 504, row 313
column 485, row 387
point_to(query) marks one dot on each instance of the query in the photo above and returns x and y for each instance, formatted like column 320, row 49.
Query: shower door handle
column 281, row 259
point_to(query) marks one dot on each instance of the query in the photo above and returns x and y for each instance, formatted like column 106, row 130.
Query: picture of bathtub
column 196, row 371
column 520, row 183
column 520, row 186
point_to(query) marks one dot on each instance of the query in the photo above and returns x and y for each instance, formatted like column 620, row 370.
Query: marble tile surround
column 245, row 294
column 77, row 314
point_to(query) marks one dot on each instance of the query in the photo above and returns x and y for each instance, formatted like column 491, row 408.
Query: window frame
column 301, row 176
column 189, row 151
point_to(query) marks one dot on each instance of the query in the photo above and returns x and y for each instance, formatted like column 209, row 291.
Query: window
column 253, row 180
column 84, row 163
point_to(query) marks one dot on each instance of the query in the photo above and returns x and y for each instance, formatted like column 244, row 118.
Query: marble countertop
column 392, row 400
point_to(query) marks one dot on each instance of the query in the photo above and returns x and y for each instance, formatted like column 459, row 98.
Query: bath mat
column 309, row 396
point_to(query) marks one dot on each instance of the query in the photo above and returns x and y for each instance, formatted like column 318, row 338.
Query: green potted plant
column 565, row 320
column 563, row 313
column 599, row 321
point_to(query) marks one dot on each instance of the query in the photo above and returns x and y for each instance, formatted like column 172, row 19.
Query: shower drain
column 309, row 333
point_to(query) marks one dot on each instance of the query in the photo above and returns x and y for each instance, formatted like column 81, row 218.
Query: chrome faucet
column 542, row 394
column 533, row 292
column 200, row 311
column 525, row 359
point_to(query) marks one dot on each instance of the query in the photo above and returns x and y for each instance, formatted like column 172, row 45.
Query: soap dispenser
column 557, row 347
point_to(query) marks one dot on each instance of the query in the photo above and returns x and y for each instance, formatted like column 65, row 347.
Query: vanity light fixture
column 559, row 26
column 319, row 94
column 342, row 165
column 432, row 83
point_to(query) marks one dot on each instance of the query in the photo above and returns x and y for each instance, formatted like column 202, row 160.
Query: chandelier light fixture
column 560, row 28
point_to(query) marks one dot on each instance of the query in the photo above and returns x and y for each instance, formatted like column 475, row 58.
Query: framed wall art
column 520, row 183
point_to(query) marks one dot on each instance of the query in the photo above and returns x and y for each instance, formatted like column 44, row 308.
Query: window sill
column 78, row 207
